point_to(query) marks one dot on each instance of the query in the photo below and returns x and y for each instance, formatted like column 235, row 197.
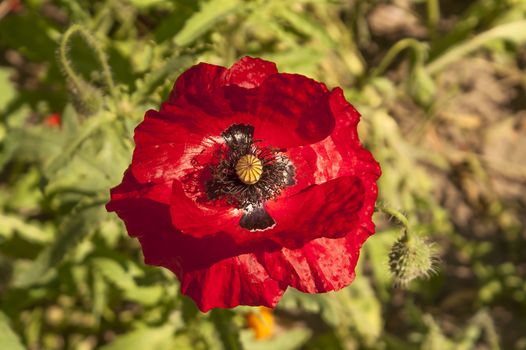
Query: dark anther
column 256, row 218
column 239, row 137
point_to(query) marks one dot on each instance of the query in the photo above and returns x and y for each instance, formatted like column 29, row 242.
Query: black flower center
column 247, row 175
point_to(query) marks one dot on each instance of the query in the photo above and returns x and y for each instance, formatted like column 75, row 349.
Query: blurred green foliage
column 70, row 278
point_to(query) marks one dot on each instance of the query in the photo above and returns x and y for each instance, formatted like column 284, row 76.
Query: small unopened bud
column 86, row 98
column 422, row 87
column 411, row 257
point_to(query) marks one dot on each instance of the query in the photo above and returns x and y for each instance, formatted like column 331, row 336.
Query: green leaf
column 228, row 332
column 355, row 307
column 301, row 59
column 7, row 89
column 209, row 15
column 53, row 164
column 377, row 250
column 515, row 31
column 114, row 273
column 182, row 343
column 28, row 33
column 70, row 120
column 147, row 295
column 160, row 338
column 144, row 4
column 82, row 221
column 9, row 340
column 30, row 232
column 99, row 290
column 305, row 25
column 364, row 309
column 34, row 144
column 152, row 80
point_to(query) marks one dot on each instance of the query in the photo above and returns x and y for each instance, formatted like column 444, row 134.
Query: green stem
column 401, row 218
column 228, row 332
column 393, row 52
column 511, row 31
column 76, row 79
column 487, row 324
column 433, row 16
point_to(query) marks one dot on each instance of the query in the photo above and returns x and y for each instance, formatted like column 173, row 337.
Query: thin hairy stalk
column 88, row 38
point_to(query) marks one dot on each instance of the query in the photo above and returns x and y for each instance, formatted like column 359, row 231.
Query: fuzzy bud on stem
column 86, row 97
column 411, row 257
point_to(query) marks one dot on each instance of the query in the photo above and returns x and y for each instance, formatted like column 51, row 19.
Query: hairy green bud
column 411, row 257
column 421, row 86
column 87, row 99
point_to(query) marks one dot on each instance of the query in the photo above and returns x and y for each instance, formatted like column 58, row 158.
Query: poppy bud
column 87, row 99
column 411, row 257
column 421, row 86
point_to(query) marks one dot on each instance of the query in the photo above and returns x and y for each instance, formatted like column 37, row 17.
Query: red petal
column 292, row 110
column 355, row 159
column 340, row 154
column 204, row 219
column 198, row 82
column 249, row 72
column 240, row 280
column 287, row 110
column 131, row 189
column 237, row 280
column 330, row 209
column 321, row 265
column 144, row 209
column 214, row 273
column 169, row 144
column 326, row 264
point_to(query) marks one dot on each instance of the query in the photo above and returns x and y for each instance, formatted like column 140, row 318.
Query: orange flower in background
column 53, row 119
column 262, row 323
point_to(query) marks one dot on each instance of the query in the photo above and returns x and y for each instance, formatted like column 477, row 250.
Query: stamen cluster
column 277, row 172
column 225, row 183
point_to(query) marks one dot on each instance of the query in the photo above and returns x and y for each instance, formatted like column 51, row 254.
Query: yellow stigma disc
column 249, row 169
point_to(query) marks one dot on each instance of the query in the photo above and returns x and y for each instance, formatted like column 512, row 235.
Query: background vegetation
column 440, row 84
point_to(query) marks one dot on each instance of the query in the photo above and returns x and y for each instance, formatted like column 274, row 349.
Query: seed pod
column 249, row 169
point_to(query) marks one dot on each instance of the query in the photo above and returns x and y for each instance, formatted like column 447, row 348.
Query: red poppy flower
column 247, row 181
